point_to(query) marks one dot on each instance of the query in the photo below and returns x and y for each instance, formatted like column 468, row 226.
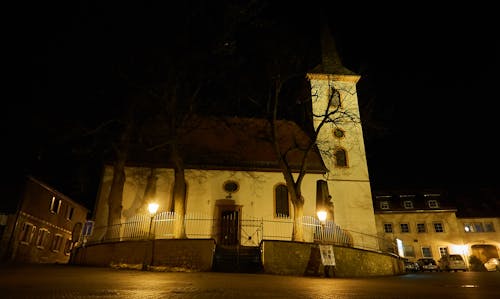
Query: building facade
column 428, row 226
column 43, row 228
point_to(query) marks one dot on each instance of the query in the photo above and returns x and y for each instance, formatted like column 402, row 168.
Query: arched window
column 322, row 195
column 340, row 158
column 281, row 201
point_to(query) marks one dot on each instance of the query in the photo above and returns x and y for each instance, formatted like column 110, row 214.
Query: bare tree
column 289, row 67
column 177, row 103
column 194, row 66
column 128, row 134
column 332, row 114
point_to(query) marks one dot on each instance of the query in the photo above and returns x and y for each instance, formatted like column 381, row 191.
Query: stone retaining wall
column 278, row 257
column 167, row 255
column 295, row 258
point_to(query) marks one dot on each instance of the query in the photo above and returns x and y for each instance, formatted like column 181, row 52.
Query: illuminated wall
column 349, row 185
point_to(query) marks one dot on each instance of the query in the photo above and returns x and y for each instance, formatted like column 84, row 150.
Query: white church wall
column 204, row 187
column 352, row 204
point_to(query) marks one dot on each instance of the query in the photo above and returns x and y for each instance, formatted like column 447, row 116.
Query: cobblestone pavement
column 65, row 281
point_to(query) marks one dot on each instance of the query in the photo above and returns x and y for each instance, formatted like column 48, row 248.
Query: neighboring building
column 43, row 226
column 427, row 224
column 481, row 237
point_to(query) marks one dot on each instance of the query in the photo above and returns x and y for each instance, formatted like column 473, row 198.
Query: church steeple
column 330, row 58
column 344, row 155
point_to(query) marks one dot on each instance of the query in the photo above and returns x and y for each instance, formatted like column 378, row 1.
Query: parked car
column 452, row 262
column 493, row 264
column 411, row 266
column 428, row 264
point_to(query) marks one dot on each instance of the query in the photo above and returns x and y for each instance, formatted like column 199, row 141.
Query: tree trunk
column 115, row 197
column 150, row 191
column 298, row 213
column 295, row 193
column 179, row 194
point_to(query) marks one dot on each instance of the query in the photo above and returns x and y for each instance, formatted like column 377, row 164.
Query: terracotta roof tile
column 235, row 143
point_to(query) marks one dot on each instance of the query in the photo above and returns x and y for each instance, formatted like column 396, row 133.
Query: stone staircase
column 237, row 259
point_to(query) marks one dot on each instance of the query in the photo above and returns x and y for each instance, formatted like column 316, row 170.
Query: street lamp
column 322, row 215
column 152, row 208
column 322, row 218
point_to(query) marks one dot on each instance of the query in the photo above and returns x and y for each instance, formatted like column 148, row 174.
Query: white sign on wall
column 327, row 256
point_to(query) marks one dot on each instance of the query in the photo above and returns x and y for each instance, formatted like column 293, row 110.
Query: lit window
column 282, row 203
column 434, row 195
column 488, row 227
column 388, row 227
column 468, row 228
column 27, row 233
column 340, row 158
column 69, row 212
column 56, row 243
column 426, row 252
column 421, row 228
column 41, row 238
column 443, row 251
column 408, row 204
column 433, row 203
column 55, row 205
column 87, row 227
column 384, row 205
column 438, row 227
column 409, row 251
column 405, row 228
column 478, row 227
column 68, row 247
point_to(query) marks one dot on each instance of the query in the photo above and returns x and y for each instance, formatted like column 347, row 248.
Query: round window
column 231, row 186
column 338, row 133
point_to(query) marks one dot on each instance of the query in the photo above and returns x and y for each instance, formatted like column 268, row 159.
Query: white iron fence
column 251, row 231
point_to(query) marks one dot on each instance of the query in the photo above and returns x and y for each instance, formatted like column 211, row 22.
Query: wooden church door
column 229, row 227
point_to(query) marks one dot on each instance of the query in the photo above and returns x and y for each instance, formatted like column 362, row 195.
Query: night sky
column 428, row 88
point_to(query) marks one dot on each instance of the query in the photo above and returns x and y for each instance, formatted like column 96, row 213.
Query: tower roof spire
column 330, row 58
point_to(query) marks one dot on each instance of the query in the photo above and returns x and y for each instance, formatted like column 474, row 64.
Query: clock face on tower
column 338, row 133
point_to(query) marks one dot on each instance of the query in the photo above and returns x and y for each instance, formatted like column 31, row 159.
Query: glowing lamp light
column 153, row 207
column 321, row 215
column 459, row 249
column 401, row 251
